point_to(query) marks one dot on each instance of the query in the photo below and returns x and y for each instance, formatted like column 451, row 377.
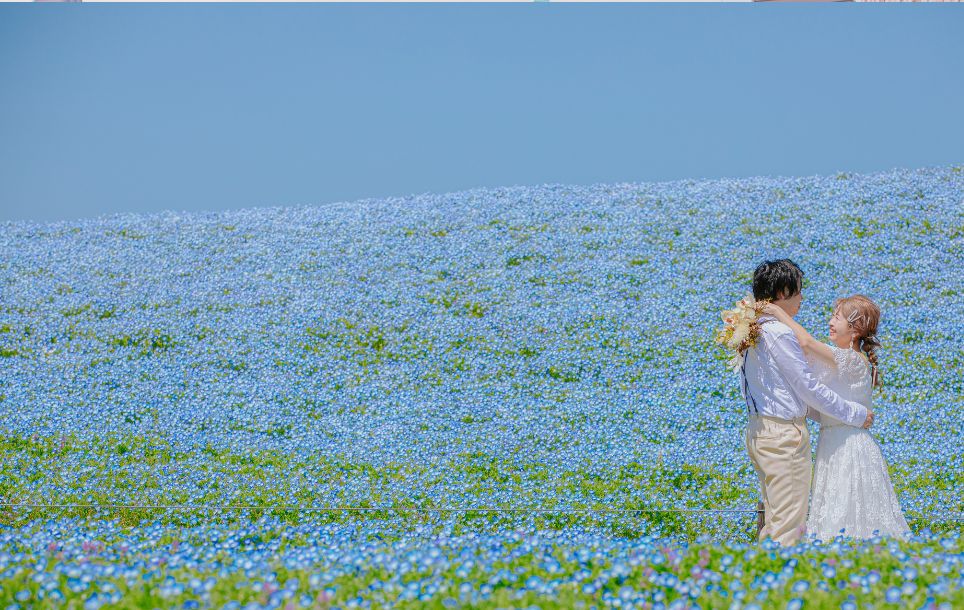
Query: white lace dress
column 851, row 488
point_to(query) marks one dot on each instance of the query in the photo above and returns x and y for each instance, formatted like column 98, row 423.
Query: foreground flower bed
column 267, row 563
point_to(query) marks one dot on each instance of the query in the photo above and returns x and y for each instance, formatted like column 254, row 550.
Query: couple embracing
column 788, row 376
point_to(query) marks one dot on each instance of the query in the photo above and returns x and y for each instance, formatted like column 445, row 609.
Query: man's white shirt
column 781, row 384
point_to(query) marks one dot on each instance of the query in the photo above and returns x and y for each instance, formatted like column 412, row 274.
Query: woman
column 851, row 488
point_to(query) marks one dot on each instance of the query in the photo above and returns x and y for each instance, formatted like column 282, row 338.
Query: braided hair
column 863, row 316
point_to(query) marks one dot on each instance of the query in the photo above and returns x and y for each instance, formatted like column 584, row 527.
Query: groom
column 777, row 385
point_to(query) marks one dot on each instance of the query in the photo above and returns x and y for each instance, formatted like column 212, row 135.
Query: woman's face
column 840, row 331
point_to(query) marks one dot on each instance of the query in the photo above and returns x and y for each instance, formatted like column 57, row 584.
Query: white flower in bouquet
column 740, row 328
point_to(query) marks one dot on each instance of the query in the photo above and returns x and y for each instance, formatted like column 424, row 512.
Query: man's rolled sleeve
column 790, row 359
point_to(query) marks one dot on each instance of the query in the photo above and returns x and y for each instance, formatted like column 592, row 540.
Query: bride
column 851, row 488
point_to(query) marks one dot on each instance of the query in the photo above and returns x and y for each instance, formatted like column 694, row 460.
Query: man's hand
column 870, row 419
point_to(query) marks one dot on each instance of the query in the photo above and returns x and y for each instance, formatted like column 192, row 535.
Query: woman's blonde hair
column 863, row 315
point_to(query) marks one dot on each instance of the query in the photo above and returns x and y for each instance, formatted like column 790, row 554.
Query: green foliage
column 148, row 340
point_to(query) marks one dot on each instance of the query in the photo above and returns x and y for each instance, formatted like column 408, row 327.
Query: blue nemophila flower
column 893, row 595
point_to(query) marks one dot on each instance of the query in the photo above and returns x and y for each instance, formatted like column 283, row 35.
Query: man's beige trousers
column 780, row 452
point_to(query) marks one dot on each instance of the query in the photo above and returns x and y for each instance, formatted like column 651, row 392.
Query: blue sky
column 108, row 108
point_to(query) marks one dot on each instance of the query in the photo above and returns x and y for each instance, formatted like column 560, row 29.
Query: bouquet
column 740, row 328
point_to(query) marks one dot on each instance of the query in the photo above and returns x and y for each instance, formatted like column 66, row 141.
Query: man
column 777, row 385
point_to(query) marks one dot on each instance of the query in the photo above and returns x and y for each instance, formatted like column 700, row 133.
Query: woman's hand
column 775, row 311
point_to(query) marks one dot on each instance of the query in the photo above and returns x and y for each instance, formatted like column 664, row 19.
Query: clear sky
column 110, row 108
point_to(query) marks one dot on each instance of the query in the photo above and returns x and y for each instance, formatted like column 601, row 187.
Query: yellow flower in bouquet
column 740, row 328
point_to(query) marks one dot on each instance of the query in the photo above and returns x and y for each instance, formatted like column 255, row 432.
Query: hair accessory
column 854, row 315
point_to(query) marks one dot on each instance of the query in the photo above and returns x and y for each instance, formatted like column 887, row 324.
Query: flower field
column 297, row 407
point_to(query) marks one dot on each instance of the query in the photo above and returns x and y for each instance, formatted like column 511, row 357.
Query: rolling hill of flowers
column 295, row 407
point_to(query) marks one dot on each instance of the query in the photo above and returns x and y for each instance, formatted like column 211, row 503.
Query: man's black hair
column 776, row 279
